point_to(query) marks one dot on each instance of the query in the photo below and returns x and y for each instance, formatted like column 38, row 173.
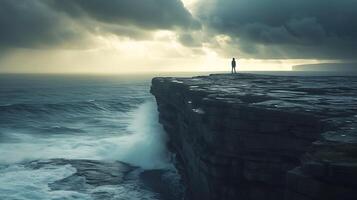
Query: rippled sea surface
column 82, row 137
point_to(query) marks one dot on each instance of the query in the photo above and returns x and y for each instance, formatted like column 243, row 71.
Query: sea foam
column 145, row 143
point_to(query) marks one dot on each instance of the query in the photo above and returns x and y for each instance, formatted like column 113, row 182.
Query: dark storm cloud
column 294, row 29
column 28, row 23
column 36, row 23
column 151, row 14
column 189, row 40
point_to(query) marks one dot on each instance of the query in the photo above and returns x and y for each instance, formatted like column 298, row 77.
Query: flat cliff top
column 332, row 99
column 323, row 96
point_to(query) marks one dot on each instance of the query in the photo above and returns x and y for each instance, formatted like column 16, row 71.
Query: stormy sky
column 171, row 35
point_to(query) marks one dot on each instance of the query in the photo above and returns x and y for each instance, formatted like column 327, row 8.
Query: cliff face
column 262, row 137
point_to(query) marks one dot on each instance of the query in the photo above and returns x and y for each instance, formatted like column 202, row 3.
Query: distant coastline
column 327, row 67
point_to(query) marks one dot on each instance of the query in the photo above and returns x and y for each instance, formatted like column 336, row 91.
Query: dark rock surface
column 166, row 184
column 89, row 173
column 101, row 180
column 253, row 137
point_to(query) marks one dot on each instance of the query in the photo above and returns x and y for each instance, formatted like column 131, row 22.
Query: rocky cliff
column 262, row 137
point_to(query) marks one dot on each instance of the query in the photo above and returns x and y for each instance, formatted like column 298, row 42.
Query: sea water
column 79, row 117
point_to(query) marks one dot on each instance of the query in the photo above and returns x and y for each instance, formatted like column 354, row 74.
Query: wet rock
column 163, row 182
column 89, row 173
column 102, row 180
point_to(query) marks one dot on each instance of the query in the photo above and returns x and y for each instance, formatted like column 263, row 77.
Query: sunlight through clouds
column 166, row 35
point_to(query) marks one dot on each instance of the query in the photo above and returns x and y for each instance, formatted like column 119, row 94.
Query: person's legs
column 232, row 70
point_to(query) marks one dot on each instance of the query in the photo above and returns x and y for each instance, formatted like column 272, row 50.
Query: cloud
column 280, row 28
column 269, row 29
column 55, row 23
column 26, row 23
column 192, row 39
column 149, row 14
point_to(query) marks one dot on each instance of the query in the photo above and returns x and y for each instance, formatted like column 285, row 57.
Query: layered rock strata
column 257, row 137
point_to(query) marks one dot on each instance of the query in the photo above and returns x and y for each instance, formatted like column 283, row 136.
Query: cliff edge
column 262, row 137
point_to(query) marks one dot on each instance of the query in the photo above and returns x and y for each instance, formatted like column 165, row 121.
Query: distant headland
column 328, row 67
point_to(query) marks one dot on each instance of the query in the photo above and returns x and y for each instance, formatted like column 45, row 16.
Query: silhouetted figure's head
column 234, row 59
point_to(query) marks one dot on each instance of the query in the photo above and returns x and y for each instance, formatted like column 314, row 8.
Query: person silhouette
column 234, row 66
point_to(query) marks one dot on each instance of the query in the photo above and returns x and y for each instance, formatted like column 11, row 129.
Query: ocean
column 82, row 137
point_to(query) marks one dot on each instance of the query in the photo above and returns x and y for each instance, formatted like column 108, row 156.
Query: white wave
column 19, row 182
column 141, row 144
column 24, row 183
column 145, row 143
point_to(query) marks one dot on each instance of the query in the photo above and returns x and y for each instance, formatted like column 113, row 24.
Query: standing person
column 234, row 66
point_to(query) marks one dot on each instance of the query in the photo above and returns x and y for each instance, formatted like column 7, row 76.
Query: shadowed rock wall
column 245, row 137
